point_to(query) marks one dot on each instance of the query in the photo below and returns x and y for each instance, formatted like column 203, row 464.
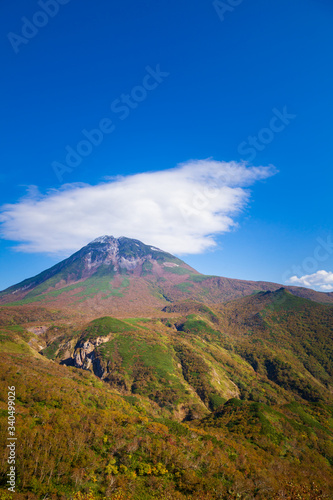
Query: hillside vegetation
column 224, row 402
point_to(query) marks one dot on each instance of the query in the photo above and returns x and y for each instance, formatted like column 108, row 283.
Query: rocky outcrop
column 85, row 357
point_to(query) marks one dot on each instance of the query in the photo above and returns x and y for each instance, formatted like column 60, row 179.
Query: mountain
column 113, row 275
column 108, row 272
column 104, row 257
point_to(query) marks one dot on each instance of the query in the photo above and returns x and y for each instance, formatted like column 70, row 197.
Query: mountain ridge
column 110, row 275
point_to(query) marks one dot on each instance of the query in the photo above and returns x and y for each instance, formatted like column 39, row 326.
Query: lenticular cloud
column 180, row 210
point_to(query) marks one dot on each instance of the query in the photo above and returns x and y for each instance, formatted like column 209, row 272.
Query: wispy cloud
column 322, row 280
column 181, row 210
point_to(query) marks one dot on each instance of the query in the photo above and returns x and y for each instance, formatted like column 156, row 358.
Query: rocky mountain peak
column 103, row 239
column 122, row 253
column 104, row 257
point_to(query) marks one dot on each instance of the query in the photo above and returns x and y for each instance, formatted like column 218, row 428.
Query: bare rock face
column 37, row 345
column 84, row 356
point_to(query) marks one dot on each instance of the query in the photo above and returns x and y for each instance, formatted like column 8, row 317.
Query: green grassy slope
column 228, row 402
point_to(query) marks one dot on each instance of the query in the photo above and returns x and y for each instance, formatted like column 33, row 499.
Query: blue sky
column 202, row 84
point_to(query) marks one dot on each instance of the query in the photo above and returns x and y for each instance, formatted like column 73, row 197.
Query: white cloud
column 321, row 280
column 180, row 210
